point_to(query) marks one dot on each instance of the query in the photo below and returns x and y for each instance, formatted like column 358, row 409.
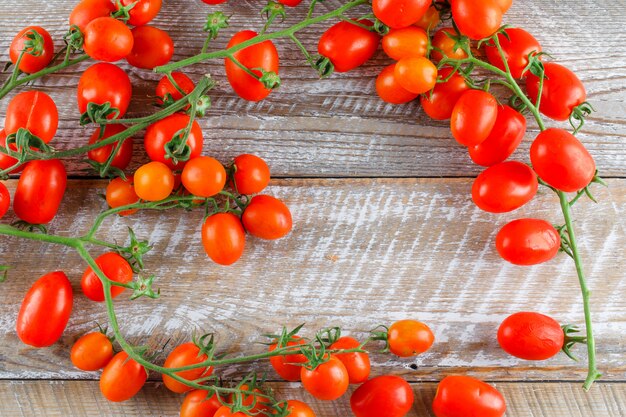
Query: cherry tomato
column 357, row 363
column 387, row 395
column 35, row 111
column 223, row 238
column 290, row 3
column 406, row 42
column 504, row 187
column 430, row 20
column 40, row 191
column 122, row 378
column 102, row 83
column 165, row 87
column 477, row 19
column 439, row 103
column 121, row 192
column 299, row 409
column 92, row 351
column 115, row 267
column 88, row 10
column 224, row 411
column 267, row 217
column 185, row 355
column 160, row 133
column 153, row 181
column 528, row 242
column 216, row 1
column 328, row 381
column 444, row 45
column 143, row 12
column 400, row 13
column 101, row 155
column 152, row 47
column 562, row 91
column 531, row 336
column 285, row 365
column 7, row 161
column 198, row 404
column 251, row 174
column 473, row 117
column 262, row 55
column 408, row 338
column 464, row 396
column 32, row 63
column 517, row 45
column 348, row 46
column 561, row 160
column 204, row 176
column 388, row 88
column 45, row 310
column 5, row 200
column 107, row 39
column 417, row 75
column 505, row 137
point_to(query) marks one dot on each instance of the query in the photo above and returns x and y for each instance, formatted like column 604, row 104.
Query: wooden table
column 384, row 229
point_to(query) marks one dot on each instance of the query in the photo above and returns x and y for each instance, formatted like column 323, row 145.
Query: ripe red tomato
column 35, row 111
column 185, row 355
column 406, row 42
column 223, row 238
column 387, row 395
column 204, row 176
column 561, row 160
column 463, row 396
column 224, row 411
column 357, row 363
column 40, row 191
column 290, row 3
column 267, row 217
column 562, row 91
column 45, row 310
column 505, row 137
column 473, row 117
column 528, row 242
column 328, row 381
column 107, row 39
column 400, row 13
column 91, row 351
column 299, row 409
column 152, row 47
column 444, row 45
column 115, row 267
column 121, row 192
column 348, row 46
column 5, row 200
column 516, row 47
column 531, row 336
column 165, row 87
column 31, row 63
column 102, row 83
column 216, row 1
column 153, row 181
column 160, row 133
column 284, row 365
column 143, row 12
column 388, row 88
column 477, row 19
column 7, row 161
column 408, row 338
column 198, row 404
column 417, row 75
column 251, row 174
column 122, row 378
column 262, row 55
column 88, row 10
column 101, row 155
column 439, row 103
column 504, row 187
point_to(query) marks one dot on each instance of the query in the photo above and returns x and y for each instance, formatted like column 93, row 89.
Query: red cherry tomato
column 267, row 217
column 101, row 155
column 223, row 238
column 328, row 381
column 348, row 46
column 528, row 242
column 417, row 75
column 103, row 83
column 152, row 47
column 388, row 88
column 284, row 365
column 45, row 310
column 299, row 409
column 115, row 267
column 477, row 19
column 406, row 42
column 31, row 63
column 107, row 39
column 40, row 191
column 88, row 10
column 561, row 160
column 439, row 103
column 35, row 111
column 204, row 176
column 153, row 181
column 408, row 338
column 143, row 12
column 387, row 395
column 7, row 161
column 216, row 1
column 400, row 13
column 91, row 351
column 198, row 404
column 505, row 137
column 160, row 133
column 224, row 411
column 463, row 396
column 251, row 174
column 517, row 45
column 5, row 200
column 185, row 355
column 444, row 44
column 165, row 87
column 122, row 378
column 473, row 117
column 531, row 336
column 504, row 187
column 357, row 363
column 562, row 91
column 121, row 192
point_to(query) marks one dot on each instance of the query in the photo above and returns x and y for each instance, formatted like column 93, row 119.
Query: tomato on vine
column 163, row 131
column 400, row 13
column 7, row 161
column 184, row 355
column 153, row 181
column 528, row 242
column 121, row 192
column 504, row 187
column 87, row 10
column 531, row 336
column 5, row 200
column 287, row 365
column 204, row 176
column 408, row 338
column 107, row 39
column 32, row 63
column 562, row 91
column 388, row 88
column 143, row 11
column 444, row 44
column 152, row 47
column 91, row 351
column 124, row 154
column 387, row 395
column 102, row 83
column 477, row 19
column 439, row 103
column 299, row 409
column 122, row 378
column 463, row 396
column 347, row 45
column 416, row 74
column 35, row 111
column 224, row 411
column 506, row 135
column 200, row 403
column 223, row 238
column 328, row 381
column 357, row 363
column 251, row 174
column 114, row 267
column 166, row 89
column 406, row 42
column 516, row 45
column 39, row 191
column 267, row 217
column 473, row 117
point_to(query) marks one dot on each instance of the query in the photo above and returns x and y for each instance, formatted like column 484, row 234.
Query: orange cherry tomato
column 224, row 411
column 406, row 42
column 32, row 63
column 107, row 39
column 115, row 267
column 388, row 88
column 122, row 378
column 198, row 404
column 285, row 366
column 444, row 45
column 299, row 409
column 121, row 192
column 328, row 381
column 204, row 176
column 408, row 338
column 416, row 74
column 223, row 238
column 185, row 355
column 92, row 351
column 267, row 217
column 153, row 181
column 357, row 363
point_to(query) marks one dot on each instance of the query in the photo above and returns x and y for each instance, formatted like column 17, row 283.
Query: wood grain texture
column 338, row 127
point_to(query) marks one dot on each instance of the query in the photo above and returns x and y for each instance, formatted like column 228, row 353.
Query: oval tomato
column 463, row 396
column 328, row 381
column 153, row 181
column 100, row 155
column 285, row 365
column 444, row 45
column 439, row 103
column 35, row 111
column 115, row 267
column 388, row 88
column 387, row 395
column 267, row 217
column 107, row 39
column 40, row 191
column 357, row 363
column 121, row 192
column 223, row 238
column 477, row 19
column 166, row 89
column 561, row 160
column 417, row 75
column 516, row 46
column 504, row 187
column 505, row 137
column 102, row 83
column 88, row 10
column 122, row 378
column 251, row 175
column 5, row 200
column 198, row 404
column 473, row 117
column 562, row 91
column 143, row 11
column 406, row 42
column 400, row 13
column 152, row 47
column 31, row 63
column 348, row 46
column 185, row 355
column 204, row 176
column 528, row 242
column 299, row 409
column 160, row 133
column 92, row 351
column 408, row 338
column 531, row 336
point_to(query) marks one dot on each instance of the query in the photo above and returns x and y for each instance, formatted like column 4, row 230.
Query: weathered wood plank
column 362, row 253
column 338, row 127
